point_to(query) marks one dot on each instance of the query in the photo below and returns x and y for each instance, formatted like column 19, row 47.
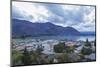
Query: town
column 54, row 51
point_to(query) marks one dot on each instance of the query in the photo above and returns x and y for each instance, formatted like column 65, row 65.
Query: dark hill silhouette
column 23, row 27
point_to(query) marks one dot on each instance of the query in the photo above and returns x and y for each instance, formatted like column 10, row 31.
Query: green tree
column 60, row 48
column 39, row 49
column 26, row 59
column 86, row 51
column 63, row 57
column 87, row 43
column 70, row 49
column 34, row 57
column 16, row 57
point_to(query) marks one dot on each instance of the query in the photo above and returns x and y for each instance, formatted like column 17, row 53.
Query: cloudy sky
column 81, row 18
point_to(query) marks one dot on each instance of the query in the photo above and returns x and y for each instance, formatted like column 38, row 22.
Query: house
column 70, row 43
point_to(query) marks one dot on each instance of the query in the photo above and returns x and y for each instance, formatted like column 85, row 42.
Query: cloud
column 66, row 14
column 29, row 11
column 80, row 17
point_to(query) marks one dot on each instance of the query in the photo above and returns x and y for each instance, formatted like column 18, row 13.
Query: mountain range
column 26, row 28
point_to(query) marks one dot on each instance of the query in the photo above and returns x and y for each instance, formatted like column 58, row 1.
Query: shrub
column 62, row 48
column 86, row 51
column 59, row 48
column 16, row 57
column 63, row 57
column 26, row 59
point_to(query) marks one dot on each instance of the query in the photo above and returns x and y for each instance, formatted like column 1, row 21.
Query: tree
column 16, row 57
column 87, row 43
column 34, row 57
column 70, row 49
column 26, row 59
column 86, row 51
column 63, row 57
column 62, row 48
column 59, row 48
column 39, row 49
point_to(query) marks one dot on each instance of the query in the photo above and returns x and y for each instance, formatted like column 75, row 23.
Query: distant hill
column 87, row 33
column 26, row 28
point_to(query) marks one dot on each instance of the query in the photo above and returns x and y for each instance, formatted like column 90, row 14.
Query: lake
column 75, row 38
